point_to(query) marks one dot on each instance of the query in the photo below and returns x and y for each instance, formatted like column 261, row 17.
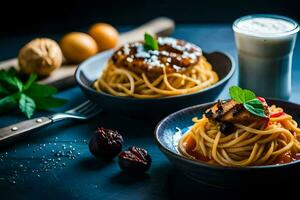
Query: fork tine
column 88, row 109
column 92, row 111
column 79, row 107
column 85, row 110
column 81, row 110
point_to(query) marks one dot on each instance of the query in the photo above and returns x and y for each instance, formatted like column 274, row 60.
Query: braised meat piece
column 173, row 54
column 219, row 109
column 232, row 112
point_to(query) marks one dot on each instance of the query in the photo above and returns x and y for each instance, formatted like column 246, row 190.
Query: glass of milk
column 265, row 46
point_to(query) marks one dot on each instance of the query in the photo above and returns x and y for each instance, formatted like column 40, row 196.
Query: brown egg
column 77, row 47
column 106, row 36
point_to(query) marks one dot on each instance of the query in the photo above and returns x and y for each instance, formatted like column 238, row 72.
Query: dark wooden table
column 31, row 170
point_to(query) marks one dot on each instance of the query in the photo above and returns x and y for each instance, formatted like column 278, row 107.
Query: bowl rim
column 202, row 163
column 95, row 57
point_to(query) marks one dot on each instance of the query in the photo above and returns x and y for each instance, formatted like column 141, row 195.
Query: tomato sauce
column 287, row 158
column 189, row 144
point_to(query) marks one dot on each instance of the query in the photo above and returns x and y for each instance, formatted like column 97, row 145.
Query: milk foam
column 265, row 26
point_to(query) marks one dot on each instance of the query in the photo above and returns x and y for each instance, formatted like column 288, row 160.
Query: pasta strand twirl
column 123, row 82
column 249, row 145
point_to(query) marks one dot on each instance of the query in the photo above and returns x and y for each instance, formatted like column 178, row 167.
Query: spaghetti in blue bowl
column 261, row 152
column 146, row 82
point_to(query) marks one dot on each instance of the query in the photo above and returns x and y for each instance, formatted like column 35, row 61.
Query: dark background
column 58, row 16
column 23, row 20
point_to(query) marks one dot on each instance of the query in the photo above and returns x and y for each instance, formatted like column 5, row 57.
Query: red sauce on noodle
column 189, row 145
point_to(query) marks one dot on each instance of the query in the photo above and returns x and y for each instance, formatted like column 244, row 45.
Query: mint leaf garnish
column 45, row 103
column 150, row 42
column 255, row 107
column 7, row 102
column 235, row 93
column 30, row 80
column 3, row 90
column 28, row 96
column 248, row 99
column 248, row 95
column 8, row 77
column 241, row 95
column 27, row 105
column 39, row 90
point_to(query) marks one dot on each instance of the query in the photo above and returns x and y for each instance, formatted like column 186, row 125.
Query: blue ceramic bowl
column 167, row 137
column 90, row 70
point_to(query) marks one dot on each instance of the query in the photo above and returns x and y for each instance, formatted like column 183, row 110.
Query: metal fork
column 84, row 111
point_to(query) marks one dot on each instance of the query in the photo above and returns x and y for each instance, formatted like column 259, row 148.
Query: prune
column 106, row 143
column 135, row 160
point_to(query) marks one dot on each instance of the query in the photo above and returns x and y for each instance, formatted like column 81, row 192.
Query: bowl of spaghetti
column 153, row 77
column 235, row 142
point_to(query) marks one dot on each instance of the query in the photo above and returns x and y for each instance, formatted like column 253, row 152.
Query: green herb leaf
column 241, row 95
column 248, row 95
column 27, row 105
column 45, row 103
column 38, row 90
column 12, row 71
column 255, row 107
column 9, row 78
column 30, row 80
column 29, row 96
column 248, row 99
column 235, row 93
column 3, row 90
column 150, row 42
column 7, row 103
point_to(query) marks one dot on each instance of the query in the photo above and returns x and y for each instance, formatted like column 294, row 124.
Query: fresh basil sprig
column 28, row 96
column 150, row 42
column 248, row 99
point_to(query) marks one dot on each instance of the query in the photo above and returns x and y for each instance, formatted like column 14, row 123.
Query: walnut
column 40, row 56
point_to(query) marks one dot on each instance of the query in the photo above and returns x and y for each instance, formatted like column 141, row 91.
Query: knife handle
column 18, row 129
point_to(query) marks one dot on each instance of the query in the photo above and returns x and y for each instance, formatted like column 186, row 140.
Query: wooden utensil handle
column 16, row 130
column 161, row 26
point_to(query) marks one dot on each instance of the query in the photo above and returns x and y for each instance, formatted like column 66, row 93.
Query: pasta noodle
column 254, row 144
column 123, row 82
